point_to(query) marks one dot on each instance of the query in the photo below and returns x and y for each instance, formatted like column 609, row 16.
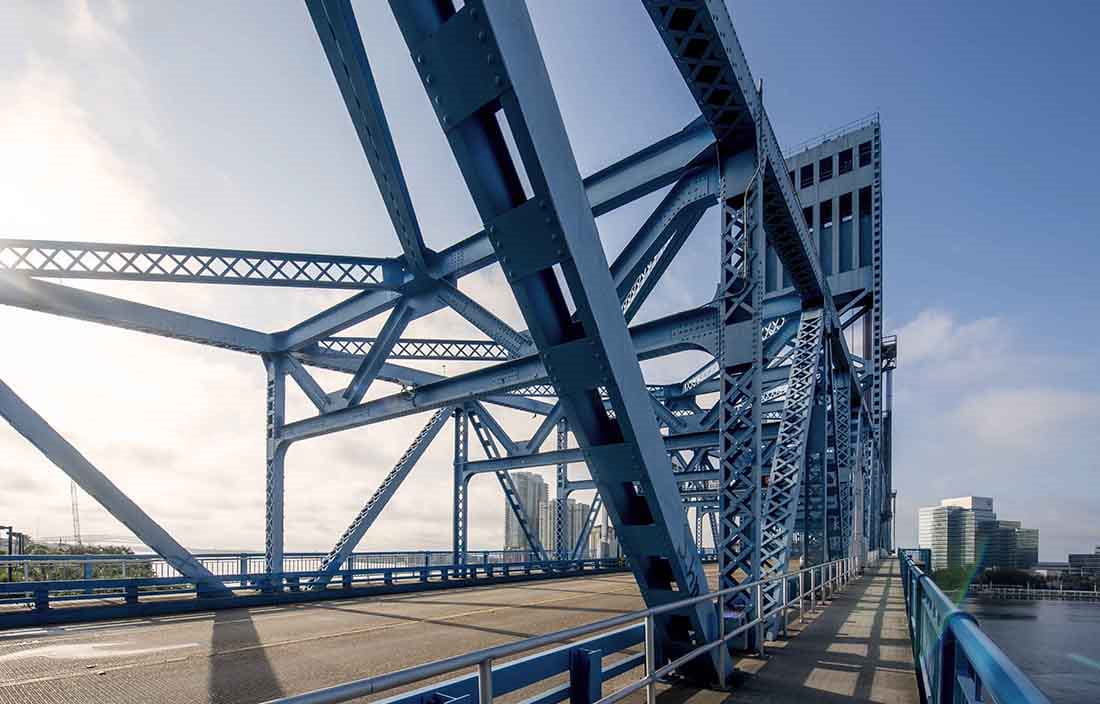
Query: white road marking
column 87, row 651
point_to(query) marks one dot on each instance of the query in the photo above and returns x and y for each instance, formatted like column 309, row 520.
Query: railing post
column 813, row 592
column 585, row 676
column 485, row 682
column 801, row 596
column 759, row 598
column 723, row 649
column 650, row 658
column 783, row 610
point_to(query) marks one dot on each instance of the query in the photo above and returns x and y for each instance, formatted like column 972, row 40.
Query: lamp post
column 10, row 536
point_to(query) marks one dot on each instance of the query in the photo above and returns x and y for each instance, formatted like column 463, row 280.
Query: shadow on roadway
column 239, row 672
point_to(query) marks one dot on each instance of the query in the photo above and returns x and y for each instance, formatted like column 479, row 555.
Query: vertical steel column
column 814, row 537
column 461, row 517
column 842, row 438
column 561, row 493
column 872, row 344
column 741, row 361
column 276, row 453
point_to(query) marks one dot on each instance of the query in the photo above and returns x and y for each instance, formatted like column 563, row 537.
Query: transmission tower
column 76, row 514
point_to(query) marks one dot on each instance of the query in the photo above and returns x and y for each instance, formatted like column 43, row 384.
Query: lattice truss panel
column 789, row 458
column 790, row 444
column 78, row 260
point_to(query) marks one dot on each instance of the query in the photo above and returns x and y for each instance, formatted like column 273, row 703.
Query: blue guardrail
column 956, row 662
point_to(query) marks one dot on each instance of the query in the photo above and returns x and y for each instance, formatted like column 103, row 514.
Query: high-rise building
column 965, row 531
column 532, row 491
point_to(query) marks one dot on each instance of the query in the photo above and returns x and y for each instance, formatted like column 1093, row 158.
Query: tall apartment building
column 965, row 531
column 533, row 492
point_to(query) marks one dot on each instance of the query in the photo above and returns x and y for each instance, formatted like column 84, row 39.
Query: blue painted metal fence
column 956, row 661
column 55, row 601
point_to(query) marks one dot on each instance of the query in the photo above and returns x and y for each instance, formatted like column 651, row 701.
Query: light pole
column 10, row 536
column 894, row 519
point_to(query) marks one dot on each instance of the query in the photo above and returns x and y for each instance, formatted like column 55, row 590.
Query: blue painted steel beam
column 372, row 362
column 520, row 460
column 362, row 522
column 428, row 349
column 339, row 35
column 31, row 294
column 689, row 330
column 58, row 259
column 50, row 443
column 555, row 227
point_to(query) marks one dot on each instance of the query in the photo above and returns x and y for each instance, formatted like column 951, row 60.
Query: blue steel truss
column 792, row 459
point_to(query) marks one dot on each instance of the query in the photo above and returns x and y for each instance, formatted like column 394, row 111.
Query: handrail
column 955, row 660
column 832, row 574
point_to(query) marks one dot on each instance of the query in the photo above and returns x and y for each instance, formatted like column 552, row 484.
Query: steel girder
column 739, row 403
column 790, row 459
column 424, row 349
column 353, row 534
column 274, row 485
column 339, row 35
column 141, row 262
column 561, row 491
column 554, row 228
column 59, row 451
column 24, row 292
column 461, row 516
column 842, row 434
column 689, row 330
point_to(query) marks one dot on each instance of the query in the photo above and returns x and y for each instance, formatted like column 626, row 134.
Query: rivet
column 419, row 58
column 428, row 79
column 549, row 220
column 481, row 36
column 499, row 80
column 490, row 59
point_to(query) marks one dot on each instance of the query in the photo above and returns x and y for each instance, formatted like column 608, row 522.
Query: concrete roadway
column 854, row 649
column 252, row 655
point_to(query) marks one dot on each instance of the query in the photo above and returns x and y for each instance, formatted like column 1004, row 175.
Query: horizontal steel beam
column 694, row 329
column 31, row 294
column 59, row 259
column 683, row 441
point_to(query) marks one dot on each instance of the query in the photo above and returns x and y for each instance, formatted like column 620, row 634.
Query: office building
column 1085, row 563
column 965, row 531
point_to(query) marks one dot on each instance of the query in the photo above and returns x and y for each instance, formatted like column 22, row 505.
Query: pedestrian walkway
column 855, row 648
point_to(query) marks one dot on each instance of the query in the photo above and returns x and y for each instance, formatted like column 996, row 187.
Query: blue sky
column 220, row 125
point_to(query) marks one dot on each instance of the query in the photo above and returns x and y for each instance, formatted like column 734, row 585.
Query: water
column 1057, row 643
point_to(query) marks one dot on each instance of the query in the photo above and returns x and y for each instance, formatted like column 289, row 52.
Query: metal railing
column 822, row 580
column 1033, row 594
column 817, row 140
column 61, row 566
column 956, row 661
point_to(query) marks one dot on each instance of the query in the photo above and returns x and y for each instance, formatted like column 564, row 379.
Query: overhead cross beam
column 160, row 263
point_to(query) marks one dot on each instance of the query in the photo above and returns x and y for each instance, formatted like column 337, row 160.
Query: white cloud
column 1027, row 418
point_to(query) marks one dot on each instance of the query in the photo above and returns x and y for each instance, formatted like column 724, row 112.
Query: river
column 1057, row 643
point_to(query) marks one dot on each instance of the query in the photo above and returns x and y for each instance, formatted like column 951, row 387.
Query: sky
column 219, row 124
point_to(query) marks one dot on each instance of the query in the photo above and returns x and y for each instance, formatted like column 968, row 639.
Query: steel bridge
column 779, row 445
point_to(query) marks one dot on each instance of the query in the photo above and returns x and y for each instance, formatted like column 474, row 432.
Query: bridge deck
column 856, row 649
